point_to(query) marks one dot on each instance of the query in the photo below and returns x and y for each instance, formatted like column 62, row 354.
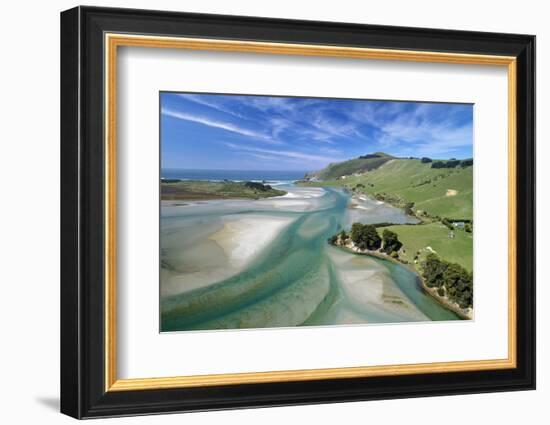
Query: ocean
column 242, row 175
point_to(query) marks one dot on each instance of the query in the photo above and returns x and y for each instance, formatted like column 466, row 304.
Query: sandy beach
column 220, row 254
column 367, row 284
column 243, row 238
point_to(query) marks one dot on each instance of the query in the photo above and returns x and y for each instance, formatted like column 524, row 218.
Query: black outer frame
column 82, row 212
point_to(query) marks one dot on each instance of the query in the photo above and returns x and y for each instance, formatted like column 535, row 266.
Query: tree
column 391, row 242
column 425, row 160
column 433, row 270
column 468, row 227
column 458, row 283
column 365, row 236
column 455, row 279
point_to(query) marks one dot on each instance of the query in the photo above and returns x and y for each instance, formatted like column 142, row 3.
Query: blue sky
column 210, row 131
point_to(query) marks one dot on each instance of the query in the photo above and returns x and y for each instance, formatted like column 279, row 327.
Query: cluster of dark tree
column 391, row 242
column 452, row 163
column 258, row 186
column 169, row 180
column 425, row 160
column 450, row 279
column 365, row 236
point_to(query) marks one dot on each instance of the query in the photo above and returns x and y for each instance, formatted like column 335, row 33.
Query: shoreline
column 432, row 292
column 357, row 195
column 388, row 202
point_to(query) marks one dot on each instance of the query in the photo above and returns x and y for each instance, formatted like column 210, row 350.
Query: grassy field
column 444, row 192
column 417, row 239
column 198, row 189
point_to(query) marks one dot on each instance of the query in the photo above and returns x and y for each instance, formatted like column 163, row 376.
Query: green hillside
column 443, row 192
column 352, row 166
column 420, row 240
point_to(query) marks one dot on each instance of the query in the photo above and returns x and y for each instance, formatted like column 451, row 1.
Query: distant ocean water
column 174, row 173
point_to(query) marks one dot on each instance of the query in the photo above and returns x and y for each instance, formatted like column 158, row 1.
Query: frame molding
column 90, row 38
column 113, row 41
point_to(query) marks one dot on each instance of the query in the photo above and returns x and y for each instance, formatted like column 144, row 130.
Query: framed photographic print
column 261, row 212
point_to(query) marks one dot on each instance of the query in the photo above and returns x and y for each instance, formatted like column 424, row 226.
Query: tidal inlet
column 234, row 264
column 311, row 244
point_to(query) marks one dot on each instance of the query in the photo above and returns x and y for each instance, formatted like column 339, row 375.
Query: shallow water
column 293, row 277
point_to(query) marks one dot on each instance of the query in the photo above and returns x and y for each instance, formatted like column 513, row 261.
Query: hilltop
column 353, row 166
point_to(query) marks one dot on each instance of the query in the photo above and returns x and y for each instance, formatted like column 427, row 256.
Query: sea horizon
column 241, row 175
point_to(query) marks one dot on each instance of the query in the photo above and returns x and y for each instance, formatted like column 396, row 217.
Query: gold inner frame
column 113, row 41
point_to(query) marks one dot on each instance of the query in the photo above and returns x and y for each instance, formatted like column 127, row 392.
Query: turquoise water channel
column 294, row 279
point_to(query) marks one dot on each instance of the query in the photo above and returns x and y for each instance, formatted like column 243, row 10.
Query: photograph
column 285, row 211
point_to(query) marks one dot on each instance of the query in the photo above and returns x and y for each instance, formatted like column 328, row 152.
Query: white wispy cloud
column 203, row 100
column 217, row 124
column 283, row 153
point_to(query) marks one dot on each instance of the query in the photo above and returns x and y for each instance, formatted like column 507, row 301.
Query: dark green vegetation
column 451, row 280
column 411, row 184
column 201, row 190
column 391, row 242
column 365, row 236
column 357, row 165
column 452, row 163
